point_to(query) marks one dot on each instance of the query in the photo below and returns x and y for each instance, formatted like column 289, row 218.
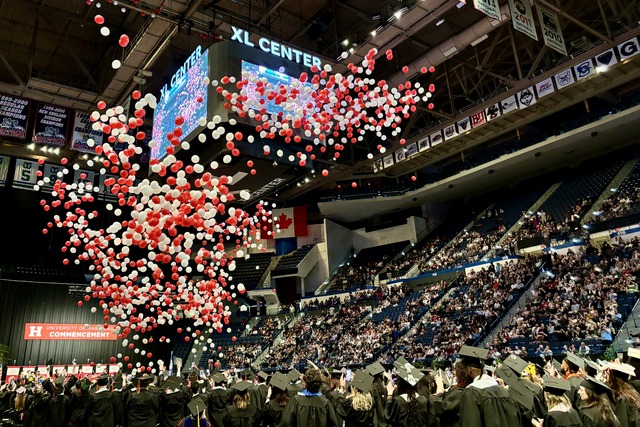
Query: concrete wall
column 339, row 241
column 410, row 231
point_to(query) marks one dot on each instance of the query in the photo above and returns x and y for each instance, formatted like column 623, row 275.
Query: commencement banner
column 63, row 331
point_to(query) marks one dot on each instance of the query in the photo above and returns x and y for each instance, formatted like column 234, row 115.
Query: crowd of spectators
column 467, row 314
column 417, row 255
column 269, row 327
column 618, row 204
column 469, row 247
column 576, row 300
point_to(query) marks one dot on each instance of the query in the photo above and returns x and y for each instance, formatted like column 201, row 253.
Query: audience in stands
column 618, row 204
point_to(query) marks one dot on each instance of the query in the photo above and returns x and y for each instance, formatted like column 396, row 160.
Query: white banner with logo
column 25, row 175
column 522, row 18
column 544, row 87
column 4, row 169
column 491, row 8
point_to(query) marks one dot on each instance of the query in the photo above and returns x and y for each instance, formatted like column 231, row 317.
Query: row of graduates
column 576, row 393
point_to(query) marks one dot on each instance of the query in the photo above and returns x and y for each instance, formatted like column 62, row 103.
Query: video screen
column 181, row 100
column 275, row 79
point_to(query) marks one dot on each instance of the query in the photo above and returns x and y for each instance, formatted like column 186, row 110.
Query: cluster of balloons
column 166, row 256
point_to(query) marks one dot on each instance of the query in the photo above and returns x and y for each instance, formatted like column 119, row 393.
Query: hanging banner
column 551, row 31
column 290, row 222
column 628, row 49
column 509, row 104
column 412, row 149
column 377, row 166
column 64, row 331
column 584, row 69
column 564, row 79
column 450, row 132
column 526, row 97
column 544, row 87
column 606, row 59
column 83, row 133
column 14, row 112
column 388, row 160
column 400, row 155
column 436, row 138
column 464, row 125
column 52, row 125
column 478, row 119
column 491, row 8
column 25, row 174
column 84, row 176
column 423, row 144
column 4, row 169
column 522, row 18
column 50, row 175
column 492, row 112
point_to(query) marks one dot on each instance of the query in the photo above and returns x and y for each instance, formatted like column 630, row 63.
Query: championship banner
column 64, row 331
column 290, row 222
column 14, row 112
column 52, row 125
column 83, row 132
column 4, row 169
column 491, row 8
column 25, row 175
column 522, row 18
column 551, row 31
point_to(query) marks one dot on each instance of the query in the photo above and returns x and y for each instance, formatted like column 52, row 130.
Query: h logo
column 35, row 331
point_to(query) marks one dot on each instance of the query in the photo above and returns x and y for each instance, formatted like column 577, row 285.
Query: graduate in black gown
column 527, row 376
column 142, row 405
column 633, row 359
column 296, row 385
column 99, row 411
column 378, row 391
column 571, row 366
column 59, row 407
column 446, row 404
column 405, row 407
column 484, row 403
column 218, row 399
column 79, row 398
column 263, row 387
column 309, row 408
column 173, row 402
column 357, row 409
column 117, row 390
column 626, row 400
column 595, row 407
column 244, row 412
column 278, row 399
column 560, row 412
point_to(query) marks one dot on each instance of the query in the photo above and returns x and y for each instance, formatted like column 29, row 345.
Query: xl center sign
column 277, row 49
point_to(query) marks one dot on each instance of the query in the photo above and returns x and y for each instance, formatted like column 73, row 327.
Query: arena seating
column 288, row 264
column 250, row 270
column 623, row 201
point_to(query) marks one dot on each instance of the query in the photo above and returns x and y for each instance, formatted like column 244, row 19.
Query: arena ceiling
column 52, row 50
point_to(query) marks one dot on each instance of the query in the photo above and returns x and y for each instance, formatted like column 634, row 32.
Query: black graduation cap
column 294, row 375
column 575, row 362
column 263, row 375
column 279, row 381
column 521, row 394
column 375, row 368
column 556, row 386
column 490, row 369
column 408, row 372
column 507, row 375
column 118, row 381
column 196, row 406
column 556, row 365
column 241, row 386
column 363, row 381
column 400, row 362
column 591, row 367
column 172, row 383
column 473, row 356
column 595, row 385
column 103, row 380
column 248, row 375
column 516, row 363
column 218, row 378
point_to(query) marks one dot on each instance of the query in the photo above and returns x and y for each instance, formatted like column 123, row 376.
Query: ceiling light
column 43, row 149
column 373, row 33
column 480, row 40
column 345, row 42
column 306, row 180
column 376, row 17
column 602, row 68
column 57, row 151
column 461, row 4
column 31, row 146
column 440, row 22
column 450, row 52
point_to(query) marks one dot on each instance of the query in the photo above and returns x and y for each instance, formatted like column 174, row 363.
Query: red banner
column 63, row 331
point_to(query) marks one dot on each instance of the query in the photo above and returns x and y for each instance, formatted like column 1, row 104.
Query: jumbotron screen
column 181, row 99
column 275, row 79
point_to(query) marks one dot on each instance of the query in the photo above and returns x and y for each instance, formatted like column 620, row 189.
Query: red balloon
column 354, row 184
column 325, row 172
column 124, row 40
column 102, row 105
column 414, row 178
column 98, row 19
column 136, row 94
column 405, row 69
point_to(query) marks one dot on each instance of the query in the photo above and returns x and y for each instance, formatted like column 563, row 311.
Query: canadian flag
column 288, row 222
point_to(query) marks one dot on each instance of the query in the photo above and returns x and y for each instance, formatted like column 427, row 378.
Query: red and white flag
column 289, row 222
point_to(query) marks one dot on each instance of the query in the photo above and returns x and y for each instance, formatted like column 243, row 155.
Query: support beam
column 604, row 18
column 9, row 68
column 537, row 61
column 493, row 45
column 515, row 53
column 575, row 21
column 270, row 12
column 483, row 71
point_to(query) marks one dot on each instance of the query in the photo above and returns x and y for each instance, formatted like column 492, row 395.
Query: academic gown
column 172, row 408
column 77, row 405
column 446, row 407
column 574, row 398
column 58, row 411
column 217, row 405
column 250, row 417
column 484, row 403
column 353, row 418
column 142, row 409
column 118, row 407
column 379, row 401
column 272, row 414
column 539, row 404
column 99, row 410
column 563, row 419
column 635, row 384
column 628, row 416
column 264, row 390
column 309, row 411
column 37, row 410
column 397, row 412
column 591, row 417
column 294, row 389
